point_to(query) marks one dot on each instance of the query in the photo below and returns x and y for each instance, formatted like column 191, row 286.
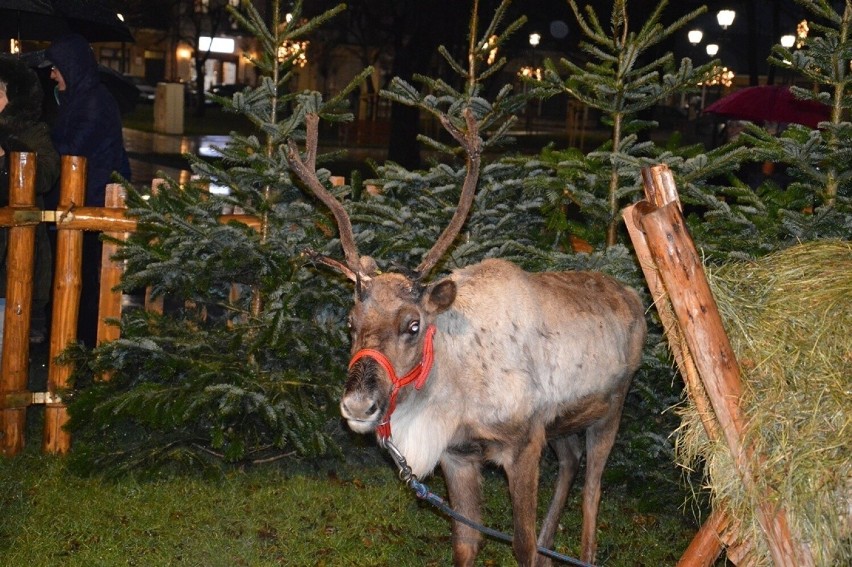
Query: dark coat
column 88, row 122
column 22, row 131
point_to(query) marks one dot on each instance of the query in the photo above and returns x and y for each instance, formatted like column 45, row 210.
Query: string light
column 802, row 33
column 490, row 47
column 295, row 52
column 530, row 72
column 719, row 76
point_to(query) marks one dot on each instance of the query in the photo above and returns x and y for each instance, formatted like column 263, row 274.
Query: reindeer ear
column 441, row 295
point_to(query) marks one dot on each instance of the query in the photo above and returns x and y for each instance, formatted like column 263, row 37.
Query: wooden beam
column 682, row 274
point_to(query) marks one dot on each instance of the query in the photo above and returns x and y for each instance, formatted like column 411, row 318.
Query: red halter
column 418, row 375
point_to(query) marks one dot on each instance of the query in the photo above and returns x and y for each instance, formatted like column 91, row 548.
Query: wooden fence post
column 154, row 304
column 66, row 300
column 14, row 397
column 682, row 274
column 707, row 545
column 109, row 303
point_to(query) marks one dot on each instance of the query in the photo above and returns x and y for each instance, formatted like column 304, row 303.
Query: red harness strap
column 418, row 375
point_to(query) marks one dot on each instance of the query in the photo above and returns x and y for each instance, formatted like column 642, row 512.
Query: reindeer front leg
column 522, row 474
column 463, row 477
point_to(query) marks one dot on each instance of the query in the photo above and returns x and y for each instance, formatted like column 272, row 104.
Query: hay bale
column 789, row 318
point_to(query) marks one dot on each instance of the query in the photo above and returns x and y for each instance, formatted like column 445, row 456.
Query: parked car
column 147, row 91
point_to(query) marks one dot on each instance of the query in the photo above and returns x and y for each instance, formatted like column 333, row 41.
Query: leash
column 423, row 493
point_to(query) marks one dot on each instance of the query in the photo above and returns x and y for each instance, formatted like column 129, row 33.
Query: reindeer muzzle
column 418, row 375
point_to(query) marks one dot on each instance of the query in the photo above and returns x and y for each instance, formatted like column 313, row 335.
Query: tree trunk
column 752, row 51
column 424, row 26
column 200, row 107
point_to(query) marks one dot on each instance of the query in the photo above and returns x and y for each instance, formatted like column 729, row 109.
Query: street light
column 725, row 18
column 787, row 41
column 695, row 36
column 712, row 49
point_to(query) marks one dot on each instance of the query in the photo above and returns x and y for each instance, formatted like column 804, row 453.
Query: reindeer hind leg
column 568, row 451
column 600, row 438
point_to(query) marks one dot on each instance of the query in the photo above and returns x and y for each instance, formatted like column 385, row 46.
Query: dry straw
column 789, row 318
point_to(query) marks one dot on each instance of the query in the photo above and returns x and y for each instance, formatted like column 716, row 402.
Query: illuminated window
column 216, row 44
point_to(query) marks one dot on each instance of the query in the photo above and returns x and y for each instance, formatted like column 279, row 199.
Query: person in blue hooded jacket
column 88, row 121
column 87, row 124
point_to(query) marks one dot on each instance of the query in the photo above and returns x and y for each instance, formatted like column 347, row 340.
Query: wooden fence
column 71, row 218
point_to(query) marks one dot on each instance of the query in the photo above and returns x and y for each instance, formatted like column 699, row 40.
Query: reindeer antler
column 472, row 144
column 306, row 171
column 318, row 258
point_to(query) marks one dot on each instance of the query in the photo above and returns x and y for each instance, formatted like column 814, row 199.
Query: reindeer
column 487, row 364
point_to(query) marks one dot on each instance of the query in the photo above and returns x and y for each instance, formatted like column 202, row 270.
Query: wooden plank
column 94, row 219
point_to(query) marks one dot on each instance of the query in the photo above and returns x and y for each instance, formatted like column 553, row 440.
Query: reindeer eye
column 414, row 327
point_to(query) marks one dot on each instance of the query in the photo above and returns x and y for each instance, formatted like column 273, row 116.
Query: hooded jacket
column 21, row 129
column 88, row 121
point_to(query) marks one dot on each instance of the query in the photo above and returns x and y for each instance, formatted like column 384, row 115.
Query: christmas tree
column 242, row 362
column 246, row 360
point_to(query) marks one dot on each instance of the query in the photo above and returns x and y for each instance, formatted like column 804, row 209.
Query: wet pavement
column 153, row 155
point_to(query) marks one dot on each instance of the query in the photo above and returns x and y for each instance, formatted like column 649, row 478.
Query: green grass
column 325, row 514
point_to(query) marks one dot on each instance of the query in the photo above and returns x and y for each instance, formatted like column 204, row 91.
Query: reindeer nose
column 359, row 407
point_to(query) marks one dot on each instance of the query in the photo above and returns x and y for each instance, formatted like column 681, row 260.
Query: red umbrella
column 770, row 103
